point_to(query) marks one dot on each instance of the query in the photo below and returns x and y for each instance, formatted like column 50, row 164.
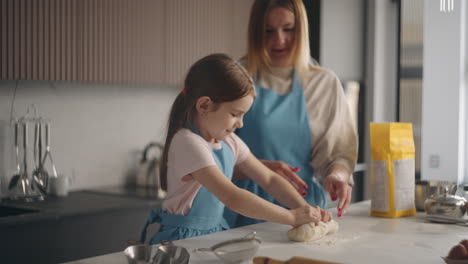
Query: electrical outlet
column 434, row 161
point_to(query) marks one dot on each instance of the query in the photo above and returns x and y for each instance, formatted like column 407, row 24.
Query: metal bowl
column 168, row 253
column 446, row 205
column 426, row 189
column 138, row 254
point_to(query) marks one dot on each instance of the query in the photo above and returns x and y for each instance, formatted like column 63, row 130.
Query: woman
column 300, row 121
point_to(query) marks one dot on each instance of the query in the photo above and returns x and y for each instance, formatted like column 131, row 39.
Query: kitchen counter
column 75, row 204
column 361, row 239
column 131, row 191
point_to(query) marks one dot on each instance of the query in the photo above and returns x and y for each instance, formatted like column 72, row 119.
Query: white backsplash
column 97, row 130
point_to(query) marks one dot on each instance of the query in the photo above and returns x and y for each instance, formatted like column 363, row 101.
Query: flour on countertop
column 331, row 240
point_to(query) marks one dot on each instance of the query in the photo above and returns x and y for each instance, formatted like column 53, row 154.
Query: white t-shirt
column 190, row 152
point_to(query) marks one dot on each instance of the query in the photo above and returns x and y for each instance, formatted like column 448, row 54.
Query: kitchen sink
column 11, row 211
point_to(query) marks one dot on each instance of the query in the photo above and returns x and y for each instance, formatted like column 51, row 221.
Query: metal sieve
column 236, row 250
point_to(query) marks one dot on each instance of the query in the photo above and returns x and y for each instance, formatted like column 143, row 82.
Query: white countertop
column 360, row 239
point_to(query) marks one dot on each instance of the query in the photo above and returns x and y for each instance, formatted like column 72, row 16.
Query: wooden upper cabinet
column 116, row 41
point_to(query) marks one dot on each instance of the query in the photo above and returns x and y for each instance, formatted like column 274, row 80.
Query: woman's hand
column 288, row 173
column 306, row 214
column 339, row 188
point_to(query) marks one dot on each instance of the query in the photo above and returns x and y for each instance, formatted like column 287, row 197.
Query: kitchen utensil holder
column 22, row 188
column 30, row 184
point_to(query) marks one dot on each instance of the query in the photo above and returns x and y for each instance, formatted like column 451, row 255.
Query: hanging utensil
column 26, row 192
column 43, row 174
column 39, row 174
column 36, row 163
column 16, row 176
column 23, row 189
column 24, row 179
column 48, row 153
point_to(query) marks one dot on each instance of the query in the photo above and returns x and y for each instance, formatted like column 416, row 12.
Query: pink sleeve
column 240, row 149
column 188, row 153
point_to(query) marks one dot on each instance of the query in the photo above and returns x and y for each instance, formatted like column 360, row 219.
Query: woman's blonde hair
column 257, row 55
column 217, row 76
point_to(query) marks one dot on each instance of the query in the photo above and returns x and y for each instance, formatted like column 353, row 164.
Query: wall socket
column 434, row 161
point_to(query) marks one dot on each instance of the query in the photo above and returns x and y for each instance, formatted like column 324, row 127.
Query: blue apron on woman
column 277, row 128
column 206, row 214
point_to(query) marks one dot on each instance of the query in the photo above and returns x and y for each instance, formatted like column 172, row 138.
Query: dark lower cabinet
column 81, row 226
column 70, row 238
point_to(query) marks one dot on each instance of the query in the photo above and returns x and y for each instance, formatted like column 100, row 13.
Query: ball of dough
column 310, row 232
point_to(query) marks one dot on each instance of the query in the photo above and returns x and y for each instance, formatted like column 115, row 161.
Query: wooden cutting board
column 293, row 260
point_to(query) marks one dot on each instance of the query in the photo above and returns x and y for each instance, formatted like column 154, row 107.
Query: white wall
column 466, row 99
column 444, row 93
column 97, row 129
column 342, row 38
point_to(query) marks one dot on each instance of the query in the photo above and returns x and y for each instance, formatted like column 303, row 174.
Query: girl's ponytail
column 179, row 114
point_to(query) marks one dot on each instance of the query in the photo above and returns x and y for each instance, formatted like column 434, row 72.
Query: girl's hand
column 339, row 188
column 306, row 214
column 288, row 173
column 326, row 216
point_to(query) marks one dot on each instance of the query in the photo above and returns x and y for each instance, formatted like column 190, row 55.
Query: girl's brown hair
column 257, row 55
column 217, row 76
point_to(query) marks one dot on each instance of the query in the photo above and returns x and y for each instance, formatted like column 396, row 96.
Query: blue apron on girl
column 206, row 214
column 277, row 128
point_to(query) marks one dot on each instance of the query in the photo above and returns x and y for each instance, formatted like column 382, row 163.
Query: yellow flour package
column 392, row 169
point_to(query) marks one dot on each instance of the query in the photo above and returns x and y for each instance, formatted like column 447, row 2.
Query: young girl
column 201, row 153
